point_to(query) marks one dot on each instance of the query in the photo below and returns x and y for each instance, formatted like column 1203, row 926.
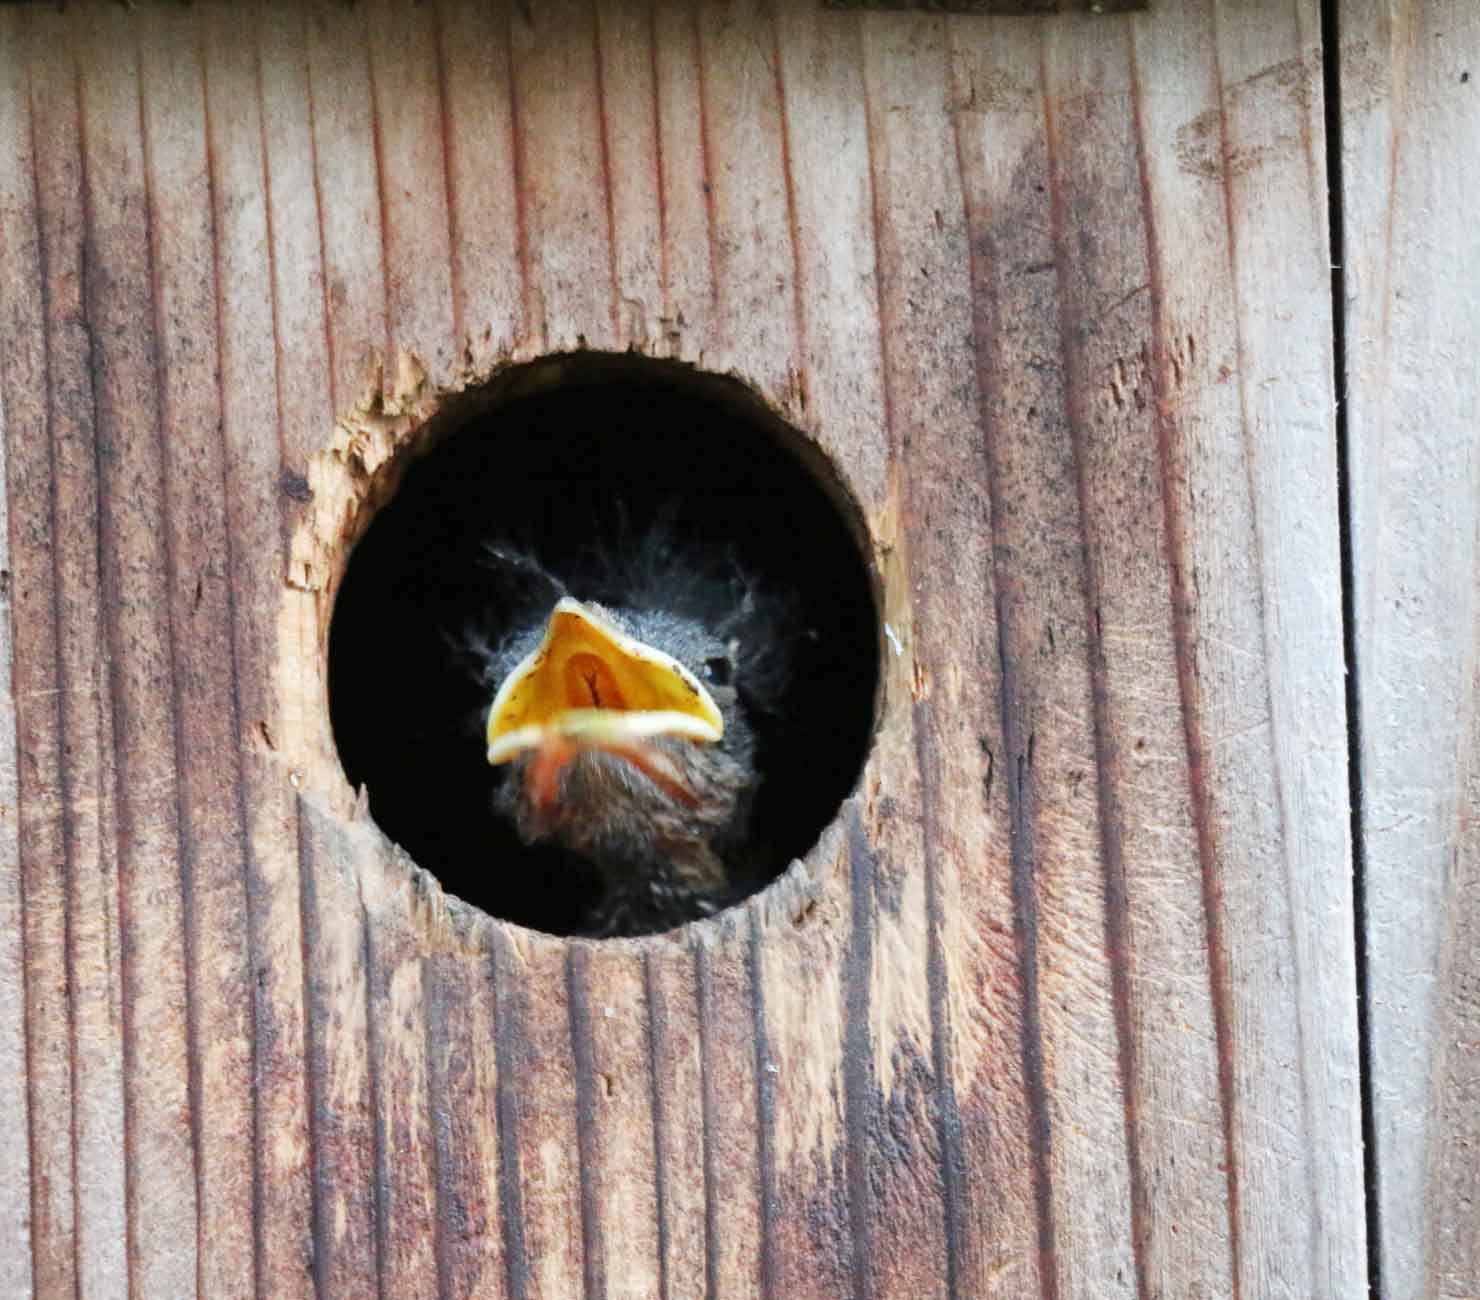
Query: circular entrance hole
column 668, row 499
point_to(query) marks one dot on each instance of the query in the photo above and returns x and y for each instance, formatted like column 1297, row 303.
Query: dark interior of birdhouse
column 619, row 455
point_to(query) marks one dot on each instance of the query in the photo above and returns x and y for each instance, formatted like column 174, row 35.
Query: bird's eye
column 717, row 671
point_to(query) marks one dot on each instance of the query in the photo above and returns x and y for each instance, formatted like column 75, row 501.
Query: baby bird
column 622, row 729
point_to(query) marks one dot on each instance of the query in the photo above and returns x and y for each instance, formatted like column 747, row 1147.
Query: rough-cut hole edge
column 370, row 451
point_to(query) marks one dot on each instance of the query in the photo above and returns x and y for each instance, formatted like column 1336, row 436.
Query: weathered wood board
column 1064, row 1003
column 1411, row 187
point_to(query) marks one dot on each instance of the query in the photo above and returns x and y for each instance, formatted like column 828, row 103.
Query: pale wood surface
column 15, row 1162
column 1411, row 187
column 1063, row 1004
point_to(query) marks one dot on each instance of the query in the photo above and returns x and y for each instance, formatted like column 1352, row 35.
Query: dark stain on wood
column 509, row 1054
column 765, row 1109
column 861, row 1088
column 1082, row 347
column 577, row 968
column 317, row 1071
column 709, row 1108
column 952, row 1152
column 658, row 1046
column 993, row 241
column 380, row 1148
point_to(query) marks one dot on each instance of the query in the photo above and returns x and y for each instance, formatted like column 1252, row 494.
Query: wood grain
column 1410, row 134
column 23, row 371
column 257, row 321
column 463, row 1100
column 1270, row 738
column 15, row 1162
column 1063, row 1003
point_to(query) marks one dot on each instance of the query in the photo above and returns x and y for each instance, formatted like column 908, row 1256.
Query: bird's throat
column 543, row 771
column 550, row 759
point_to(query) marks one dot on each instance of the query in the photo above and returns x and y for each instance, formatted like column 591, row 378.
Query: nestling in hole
column 606, row 663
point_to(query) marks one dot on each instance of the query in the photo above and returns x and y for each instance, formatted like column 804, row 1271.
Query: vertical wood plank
column 461, row 1030
column 1294, row 880
column 15, row 1153
column 609, row 988
column 1205, row 478
column 40, row 1160
column 200, row 609
column 1153, row 899
column 736, row 1256
column 347, row 179
column 1036, row 921
column 509, row 1063
column 412, row 180
column 488, row 272
column 1192, row 360
column 1212, row 491
column 748, row 193
column 825, row 133
column 406, row 87
column 137, row 568
column 1410, row 135
column 1046, row 747
column 685, row 193
column 808, row 930
column 406, row 1203
column 1451, row 1261
column 678, row 1120
column 258, row 341
column 564, row 174
column 1453, row 1184
column 331, row 332
column 16, row 1273
column 925, row 326
column 315, row 299
column 800, row 973
column 95, row 1178
column 549, row 1259
column 348, row 1245
column 632, row 141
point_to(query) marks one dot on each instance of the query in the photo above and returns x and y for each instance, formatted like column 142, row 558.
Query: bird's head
column 615, row 747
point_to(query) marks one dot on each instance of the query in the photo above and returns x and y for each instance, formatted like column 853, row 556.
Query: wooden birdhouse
column 1098, row 390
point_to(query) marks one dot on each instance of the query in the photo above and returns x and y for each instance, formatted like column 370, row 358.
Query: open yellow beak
column 588, row 682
